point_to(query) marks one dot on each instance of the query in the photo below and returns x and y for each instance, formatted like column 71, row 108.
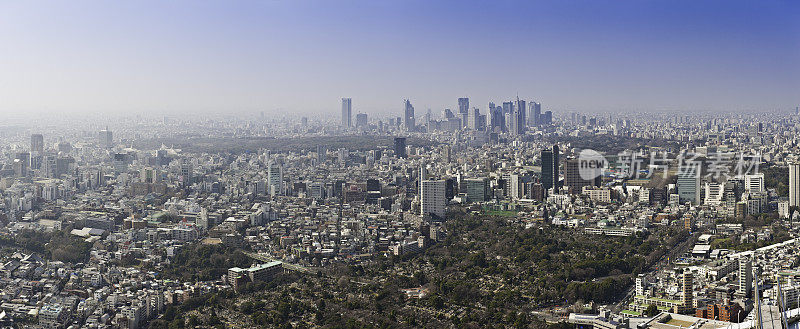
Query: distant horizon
column 37, row 119
column 302, row 56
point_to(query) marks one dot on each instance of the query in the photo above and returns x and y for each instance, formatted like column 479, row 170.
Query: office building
column 689, row 185
column 347, row 110
column 497, row 122
column 477, row 189
column 274, row 179
column 343, row 155
column 408, row 119
column 400, row 147
column 598, row 194
column 550, row 168
column 547, row 169
column 745, row 277
column 573, row 179
column 106, row 138
column 37, row 144
column 556, row 167
column 754, row 183
column 262, row 272
column 321, row 154
column 687, row 293
column 518, row 121
column 37, row 151
column 515, row 187
column 433, row 200
column 714, row 194
column 641, row 285
column 361, row 120
column 474, row 119
column 794, row 184
column 463, row 105
column 535, row 114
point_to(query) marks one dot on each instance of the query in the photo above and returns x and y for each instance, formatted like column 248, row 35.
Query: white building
column 794, row 184
column 274, row 179
column 754, row 183
column 598, row 194
column 715, row 193
column 433, row 198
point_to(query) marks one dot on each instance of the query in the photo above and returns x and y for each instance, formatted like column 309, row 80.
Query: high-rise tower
column 547, row 169
column 433, row 199
column 347, row 110
column 463, row 105
column 274, row 179
column 794, row 184
column 408, row 116
column 400, row 147
column 106, row 138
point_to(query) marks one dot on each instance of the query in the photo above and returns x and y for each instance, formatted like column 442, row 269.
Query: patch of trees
column 777, row 178
column 199, row 262
column 68, row 248
column 59, row 245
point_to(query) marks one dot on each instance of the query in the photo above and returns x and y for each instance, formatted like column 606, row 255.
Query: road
column 672, row 254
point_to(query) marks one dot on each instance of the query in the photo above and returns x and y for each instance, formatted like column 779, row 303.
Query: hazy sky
column 303, row 56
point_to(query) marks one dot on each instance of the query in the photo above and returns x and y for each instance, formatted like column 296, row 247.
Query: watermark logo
column 718, row 166
column 591, row 164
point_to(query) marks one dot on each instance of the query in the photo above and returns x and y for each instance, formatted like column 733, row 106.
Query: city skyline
column 187, row 57
column 538, row 164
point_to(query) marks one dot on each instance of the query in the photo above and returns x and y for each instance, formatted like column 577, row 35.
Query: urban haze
column 400, row 164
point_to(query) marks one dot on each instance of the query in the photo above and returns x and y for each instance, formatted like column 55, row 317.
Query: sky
column 302, row 57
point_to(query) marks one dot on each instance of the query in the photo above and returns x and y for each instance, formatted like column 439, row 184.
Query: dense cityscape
column 469, row 217
column 361, row 164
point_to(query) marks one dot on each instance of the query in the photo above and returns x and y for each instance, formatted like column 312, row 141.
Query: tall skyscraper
column 37, row 151
column 343, row 155
column 22, row 163
column 347, row 110
column 687, row 293
column 320, row 154
column 689, row 185
column 794, row 184
column 518, row 120
column 515, row 187
column 187, row 170
column 497, row 119
column 274, row 178
column 745, row 277
column 408, row 116
column 433, row 200
column 106, row 138
column 535, row 115
column 473, row 121
column 423, row 173
column 547, row 169
column 400, row 147
column 463, row 105
column 37, row 144
column 573, row 179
